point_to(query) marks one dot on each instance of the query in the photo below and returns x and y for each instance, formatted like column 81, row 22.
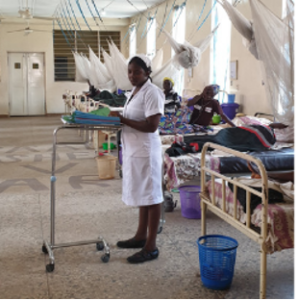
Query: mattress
column 181, row 169
column 273, row 160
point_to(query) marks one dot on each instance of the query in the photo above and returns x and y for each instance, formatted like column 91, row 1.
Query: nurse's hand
column 116, row 114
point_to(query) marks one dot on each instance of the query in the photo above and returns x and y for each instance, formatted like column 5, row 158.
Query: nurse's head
column 139, row 70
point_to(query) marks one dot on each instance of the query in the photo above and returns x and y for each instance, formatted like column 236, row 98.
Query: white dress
column 142, row 153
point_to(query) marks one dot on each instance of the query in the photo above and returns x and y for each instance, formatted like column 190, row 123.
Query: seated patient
column 205, row 106
column 172, row 102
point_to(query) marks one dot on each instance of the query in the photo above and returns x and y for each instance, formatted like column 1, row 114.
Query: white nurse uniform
column 142, row 153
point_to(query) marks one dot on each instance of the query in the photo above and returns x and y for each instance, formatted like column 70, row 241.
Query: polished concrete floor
column 87, row 207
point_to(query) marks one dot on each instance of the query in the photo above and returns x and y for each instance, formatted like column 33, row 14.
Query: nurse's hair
column 142, row 64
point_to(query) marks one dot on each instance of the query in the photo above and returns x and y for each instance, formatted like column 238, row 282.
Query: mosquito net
column 187, row 55
column 99, row 74
column 157, row 60
column 169, row 69
column 271, row 40
column 275, row 46
column 242, row 25
column 119, row 67
column 81, row 75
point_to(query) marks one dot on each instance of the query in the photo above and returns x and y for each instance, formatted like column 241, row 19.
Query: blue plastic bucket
column 231, row 98
column 230, row 109
column 217, row 256
column 190, row 201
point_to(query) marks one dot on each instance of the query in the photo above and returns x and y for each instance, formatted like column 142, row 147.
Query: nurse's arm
column 149, row 125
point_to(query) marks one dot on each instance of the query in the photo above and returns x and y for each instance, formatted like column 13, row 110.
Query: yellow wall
column 41, row 42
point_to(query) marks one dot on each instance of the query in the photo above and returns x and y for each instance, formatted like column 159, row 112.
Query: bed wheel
column 50, row 268
column 100, row 246
column 159, row 230
column 105, row 258
column 44, row 249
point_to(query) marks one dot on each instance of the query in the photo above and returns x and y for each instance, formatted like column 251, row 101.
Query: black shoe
column 131, row 243
column 143, row 256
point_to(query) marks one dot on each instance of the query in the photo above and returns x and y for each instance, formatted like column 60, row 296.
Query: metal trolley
column 101, row 244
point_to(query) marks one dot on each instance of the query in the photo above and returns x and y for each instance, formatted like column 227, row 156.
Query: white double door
column 26, row 84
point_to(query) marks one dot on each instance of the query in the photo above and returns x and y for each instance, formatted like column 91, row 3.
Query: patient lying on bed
column 245, row 138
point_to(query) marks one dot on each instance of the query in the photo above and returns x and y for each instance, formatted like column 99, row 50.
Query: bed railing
column 208, row 201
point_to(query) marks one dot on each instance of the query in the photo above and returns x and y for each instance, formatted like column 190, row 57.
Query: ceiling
column 48, row 9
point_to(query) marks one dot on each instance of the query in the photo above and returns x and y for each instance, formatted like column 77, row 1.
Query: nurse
column 142, row 158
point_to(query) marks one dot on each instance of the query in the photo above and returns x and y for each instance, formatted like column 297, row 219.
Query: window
column 132, row 41
column 78, row 41
column 63, row 57
column 151, row 38
column 220, row 51
column 178, row 33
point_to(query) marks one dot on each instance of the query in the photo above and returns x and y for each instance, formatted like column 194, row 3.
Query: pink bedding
column 280, row 219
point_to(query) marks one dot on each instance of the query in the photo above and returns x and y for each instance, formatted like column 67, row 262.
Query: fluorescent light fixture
column 103, row 12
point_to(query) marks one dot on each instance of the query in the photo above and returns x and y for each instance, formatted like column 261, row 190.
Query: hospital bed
column 181, row 169
column 270, row 225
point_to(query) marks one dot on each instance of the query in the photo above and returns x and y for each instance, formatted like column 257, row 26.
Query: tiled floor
column 87, row 207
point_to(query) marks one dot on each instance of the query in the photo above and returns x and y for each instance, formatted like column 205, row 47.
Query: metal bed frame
column 101, row 244
column 208, row 201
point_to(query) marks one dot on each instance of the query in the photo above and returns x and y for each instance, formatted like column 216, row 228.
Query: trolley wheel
column 105, row 258
column 44, row 249
column 159, row 230
column 120, row 174
column 50, row 268
column 100, row 246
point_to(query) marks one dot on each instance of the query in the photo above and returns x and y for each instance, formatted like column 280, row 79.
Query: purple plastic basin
column 190, row 201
